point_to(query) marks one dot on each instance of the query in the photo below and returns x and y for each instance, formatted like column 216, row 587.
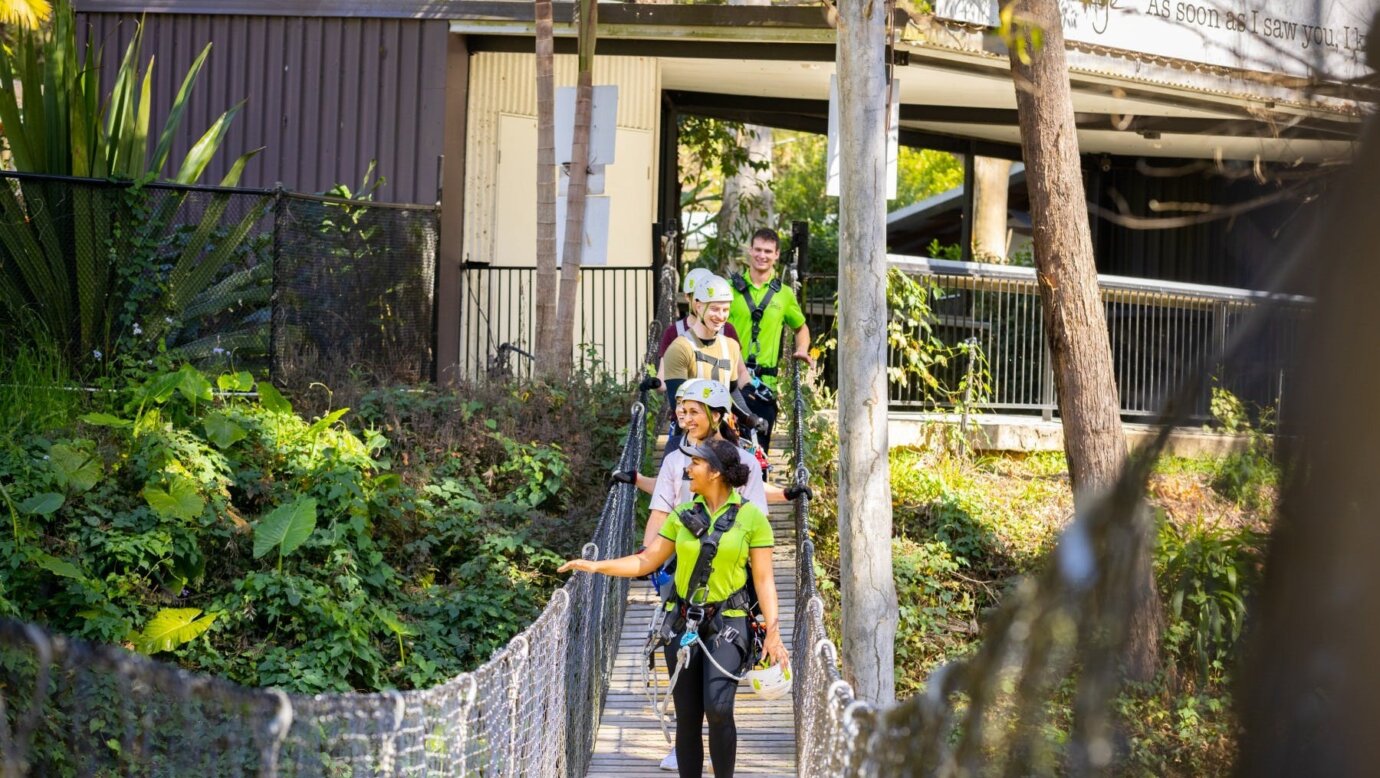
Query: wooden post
column 869, row 592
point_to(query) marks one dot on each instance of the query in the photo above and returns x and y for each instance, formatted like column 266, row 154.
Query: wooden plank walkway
column 630, row 742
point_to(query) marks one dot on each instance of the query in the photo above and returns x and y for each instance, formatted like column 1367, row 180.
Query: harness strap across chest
column 720, row 368
column 758, row 310
column 698, row 516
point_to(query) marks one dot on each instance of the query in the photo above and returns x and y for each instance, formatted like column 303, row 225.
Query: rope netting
column 70, row 708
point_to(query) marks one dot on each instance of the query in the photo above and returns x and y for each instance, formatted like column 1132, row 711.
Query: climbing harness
column 758, row 311
column 693, row 613
column 720, row 367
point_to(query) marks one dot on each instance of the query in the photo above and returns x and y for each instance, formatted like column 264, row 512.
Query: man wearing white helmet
column 703, row 351
column 682, row 325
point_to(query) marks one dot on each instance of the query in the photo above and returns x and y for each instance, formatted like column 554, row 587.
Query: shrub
column 1250, row 476
column 305, row 550
column 1206, row 575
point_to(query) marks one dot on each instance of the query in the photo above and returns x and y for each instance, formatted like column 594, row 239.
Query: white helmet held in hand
column 771, row 682
column 694, row 278
column 714, row 289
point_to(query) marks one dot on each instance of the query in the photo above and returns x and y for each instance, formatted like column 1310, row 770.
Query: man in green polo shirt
column 762, row 305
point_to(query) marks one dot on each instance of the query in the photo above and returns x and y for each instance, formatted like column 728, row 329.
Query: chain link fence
column 282, row 284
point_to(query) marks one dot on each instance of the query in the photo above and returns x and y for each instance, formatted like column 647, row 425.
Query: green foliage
column 937, row 610
column 170, row 628
column 76, row 261
column 967, row 530
column 285, row 528
column 799, row 177
column 1250, row 476
column 1206, row 575
column 317, row 550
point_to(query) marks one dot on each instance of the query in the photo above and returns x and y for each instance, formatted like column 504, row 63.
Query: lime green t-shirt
column 784, row 309
column 728, row 572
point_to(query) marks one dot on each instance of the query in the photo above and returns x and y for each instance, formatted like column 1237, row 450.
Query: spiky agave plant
column 61, row 245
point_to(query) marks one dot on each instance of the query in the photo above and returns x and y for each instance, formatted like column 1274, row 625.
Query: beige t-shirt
column 680, row 362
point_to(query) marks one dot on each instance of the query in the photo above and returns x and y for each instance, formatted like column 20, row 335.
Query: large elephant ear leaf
column 170, row 628
column 285, row 528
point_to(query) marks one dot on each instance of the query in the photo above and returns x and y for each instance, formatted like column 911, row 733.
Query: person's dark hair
column 767, row 234
column 735, row 473
column 726, row 429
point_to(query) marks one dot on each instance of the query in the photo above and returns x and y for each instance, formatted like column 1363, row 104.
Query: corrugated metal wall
column 323, row 96
column 507, row 83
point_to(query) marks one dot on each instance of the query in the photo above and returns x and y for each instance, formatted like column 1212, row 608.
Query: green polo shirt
column 728, row 572
column 784, row 309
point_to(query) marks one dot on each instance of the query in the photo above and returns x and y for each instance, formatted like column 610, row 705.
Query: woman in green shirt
column 704, row 689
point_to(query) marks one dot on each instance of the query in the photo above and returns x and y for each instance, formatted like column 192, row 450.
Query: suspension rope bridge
column 559, row 699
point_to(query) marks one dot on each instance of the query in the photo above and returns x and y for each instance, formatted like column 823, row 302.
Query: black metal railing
column 275, row 282
column 1160, row 333
column 498, row 320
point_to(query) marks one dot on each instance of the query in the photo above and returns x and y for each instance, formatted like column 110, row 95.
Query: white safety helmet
column 714, row 289
column 771, row 682
column 694, row 278
column 702, row 390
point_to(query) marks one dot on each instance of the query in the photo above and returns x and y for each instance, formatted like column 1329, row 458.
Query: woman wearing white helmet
column 715, row 537
column 704, row 412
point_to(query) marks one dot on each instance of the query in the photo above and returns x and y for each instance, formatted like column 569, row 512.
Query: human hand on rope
column 579, row 566
column 804, row 356
column 792, row 492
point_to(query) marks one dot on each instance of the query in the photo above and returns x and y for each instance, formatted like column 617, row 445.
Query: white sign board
column 596, row 233
column 1290, row 37
column 893, row 137
column 603, row 124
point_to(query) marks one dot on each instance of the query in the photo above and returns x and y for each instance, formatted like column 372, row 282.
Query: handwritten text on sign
column 1291, row 37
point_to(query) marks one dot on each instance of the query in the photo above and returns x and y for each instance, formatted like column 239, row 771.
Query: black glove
column 793, row 492
column 649, row 383
column 758, row 423
column 622, row 477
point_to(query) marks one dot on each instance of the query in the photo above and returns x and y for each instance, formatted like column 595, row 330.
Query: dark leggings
column 767, row 410
column 703, row 692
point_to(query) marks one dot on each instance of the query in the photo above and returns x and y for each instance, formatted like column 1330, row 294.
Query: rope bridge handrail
column 71, row 708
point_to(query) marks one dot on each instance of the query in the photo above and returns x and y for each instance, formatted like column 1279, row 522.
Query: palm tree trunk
column 575, row 197
column 546, row 329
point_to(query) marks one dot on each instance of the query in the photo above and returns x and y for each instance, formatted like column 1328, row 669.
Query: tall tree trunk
column 993, row 177
column 546, row 329
column 576, row 191
column 869, row 591
column 1075, row 321
column 748, row 202
column 1309, row 692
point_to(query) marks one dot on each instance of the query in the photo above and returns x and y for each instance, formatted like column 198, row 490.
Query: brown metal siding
column 323, row 96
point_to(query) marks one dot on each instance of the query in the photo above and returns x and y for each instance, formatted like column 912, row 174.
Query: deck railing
column 498, row 320
column 1159, row 332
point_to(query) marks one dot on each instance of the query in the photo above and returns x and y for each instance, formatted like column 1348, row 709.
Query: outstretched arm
column 631, row 566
